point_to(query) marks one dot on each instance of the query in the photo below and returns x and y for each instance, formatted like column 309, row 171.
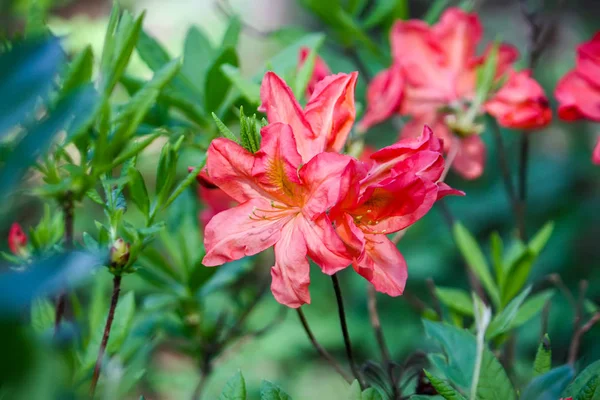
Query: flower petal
column 325, row 247
column 383, row 265
column 291, row 273
column 242, row 231
column 327, row 179
column 330, row 111
column 588, row 60
column 320, row 71
column 458, row 33
column 596, row 153
column 276, row 166
column 577, row 98
column 384, row 96
column 470, row 158
column 229, row 166
column 280, row 105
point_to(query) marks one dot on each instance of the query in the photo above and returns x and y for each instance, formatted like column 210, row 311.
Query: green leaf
column 486, row 75
column 42, row 315
column 581, row 380
column 235, row 388
column 287, row 59
column 132, row 150
column 538, row 242
column 250, row 90
column 456, row 299
column 109, row 39
column 386, row 10
column 217, row 82
column 502, row 321
column 354, row 391
column 197, row 55
column 550, row 385
column 27, row 72
column 588, row 392
column 531, row 307
column 224, row 276
column 184, row 184
column 232, row 33
column 138, row 191
column 475, row 260
column 306, row 71
column 517, row 274
column 457, row 364
column 371, row 394
column 497, row 249
column 151, row 52
column 165, row 172
column 224, row 129
column 122, row 322
column 444, row 388
column 543, row 358
column 270, row 391
column 435, row 10
column 80, row 70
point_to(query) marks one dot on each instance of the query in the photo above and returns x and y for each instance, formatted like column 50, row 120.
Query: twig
column 575, row 343
column 556, row 280
column 583, row 285
column 69, row 224
column 344, row 326
column 320, row 349
column 376, row 324
column 434, row 299
column 504, row 168
column 109, row 321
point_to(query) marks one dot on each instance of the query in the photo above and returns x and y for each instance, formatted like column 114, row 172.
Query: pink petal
column 458, row 33
column 327, row 179
column 383, row 265
column 325, row 247
column 596, row 153
column 588, row 60
column 291, row 273
column 470, row 158
column 243, row 231
column 384, row 96
column 280, row 105
column 276, row 167
column 320, row 71
column 330, row 111
column 577, row 98
column 230, row 166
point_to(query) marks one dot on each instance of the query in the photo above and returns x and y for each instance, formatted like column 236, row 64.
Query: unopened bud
column 119, row 254
column 17, row 240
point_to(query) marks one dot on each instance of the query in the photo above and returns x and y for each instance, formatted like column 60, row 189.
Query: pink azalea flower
column 521, row 103
column 436, row 82
column 325, row 122
column 213, row 198
column 398, row 188
column 320, row 71
column 578, row 92
column 282, row 204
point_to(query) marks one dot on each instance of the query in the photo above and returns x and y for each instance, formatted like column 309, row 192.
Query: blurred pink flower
column 17, row 239
column 320, row 71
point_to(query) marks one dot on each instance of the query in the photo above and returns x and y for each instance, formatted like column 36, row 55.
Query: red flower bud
column 16, row 239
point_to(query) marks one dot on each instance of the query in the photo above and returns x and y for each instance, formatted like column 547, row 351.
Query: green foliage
column 582, row 380
column 235, row 389
column 549, row 385
column 444, row 389
column 270, row 391
column 457, row 300
column 588, row 392
column 543, row 358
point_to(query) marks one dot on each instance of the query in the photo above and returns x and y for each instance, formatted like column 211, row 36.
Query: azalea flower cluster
column 578, row 92
column 433, row 80
column 298, row 194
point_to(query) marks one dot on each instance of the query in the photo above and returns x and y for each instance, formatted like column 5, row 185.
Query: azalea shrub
column 391, row 206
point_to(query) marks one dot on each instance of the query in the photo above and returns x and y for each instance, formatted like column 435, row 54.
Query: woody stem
column 107, row 327
column 344, row 326
column 320, row 349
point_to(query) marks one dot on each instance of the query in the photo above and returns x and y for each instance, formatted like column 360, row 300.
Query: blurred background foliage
column 564, row 187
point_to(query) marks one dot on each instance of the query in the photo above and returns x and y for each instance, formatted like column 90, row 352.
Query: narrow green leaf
column 550, row 385
column 384, row 10
column 517, row 274
column 165, row 172
column 502, row 321
column 224, row 129
column 306, row 71
column 531, row 307
column 197, row 56
column 138, row 191
column 217, row 82
column 232, row 33
column 270, row 391
column 435, row 10
column 109, row 39
column 581, row 380
column 456, row 299
column 444, row 388
column 151, row 52
column 371, row 394
column 486, row 75
column 184, row 184
column 80, row 70
column 538, row 242
column 250, row 90
column 122, row 322
column 235, row 388
column 475, row 260
column 543, row 357
column 497, row 251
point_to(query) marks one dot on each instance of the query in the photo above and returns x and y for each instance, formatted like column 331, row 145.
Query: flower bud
column 17, row 240
column 119, row 254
